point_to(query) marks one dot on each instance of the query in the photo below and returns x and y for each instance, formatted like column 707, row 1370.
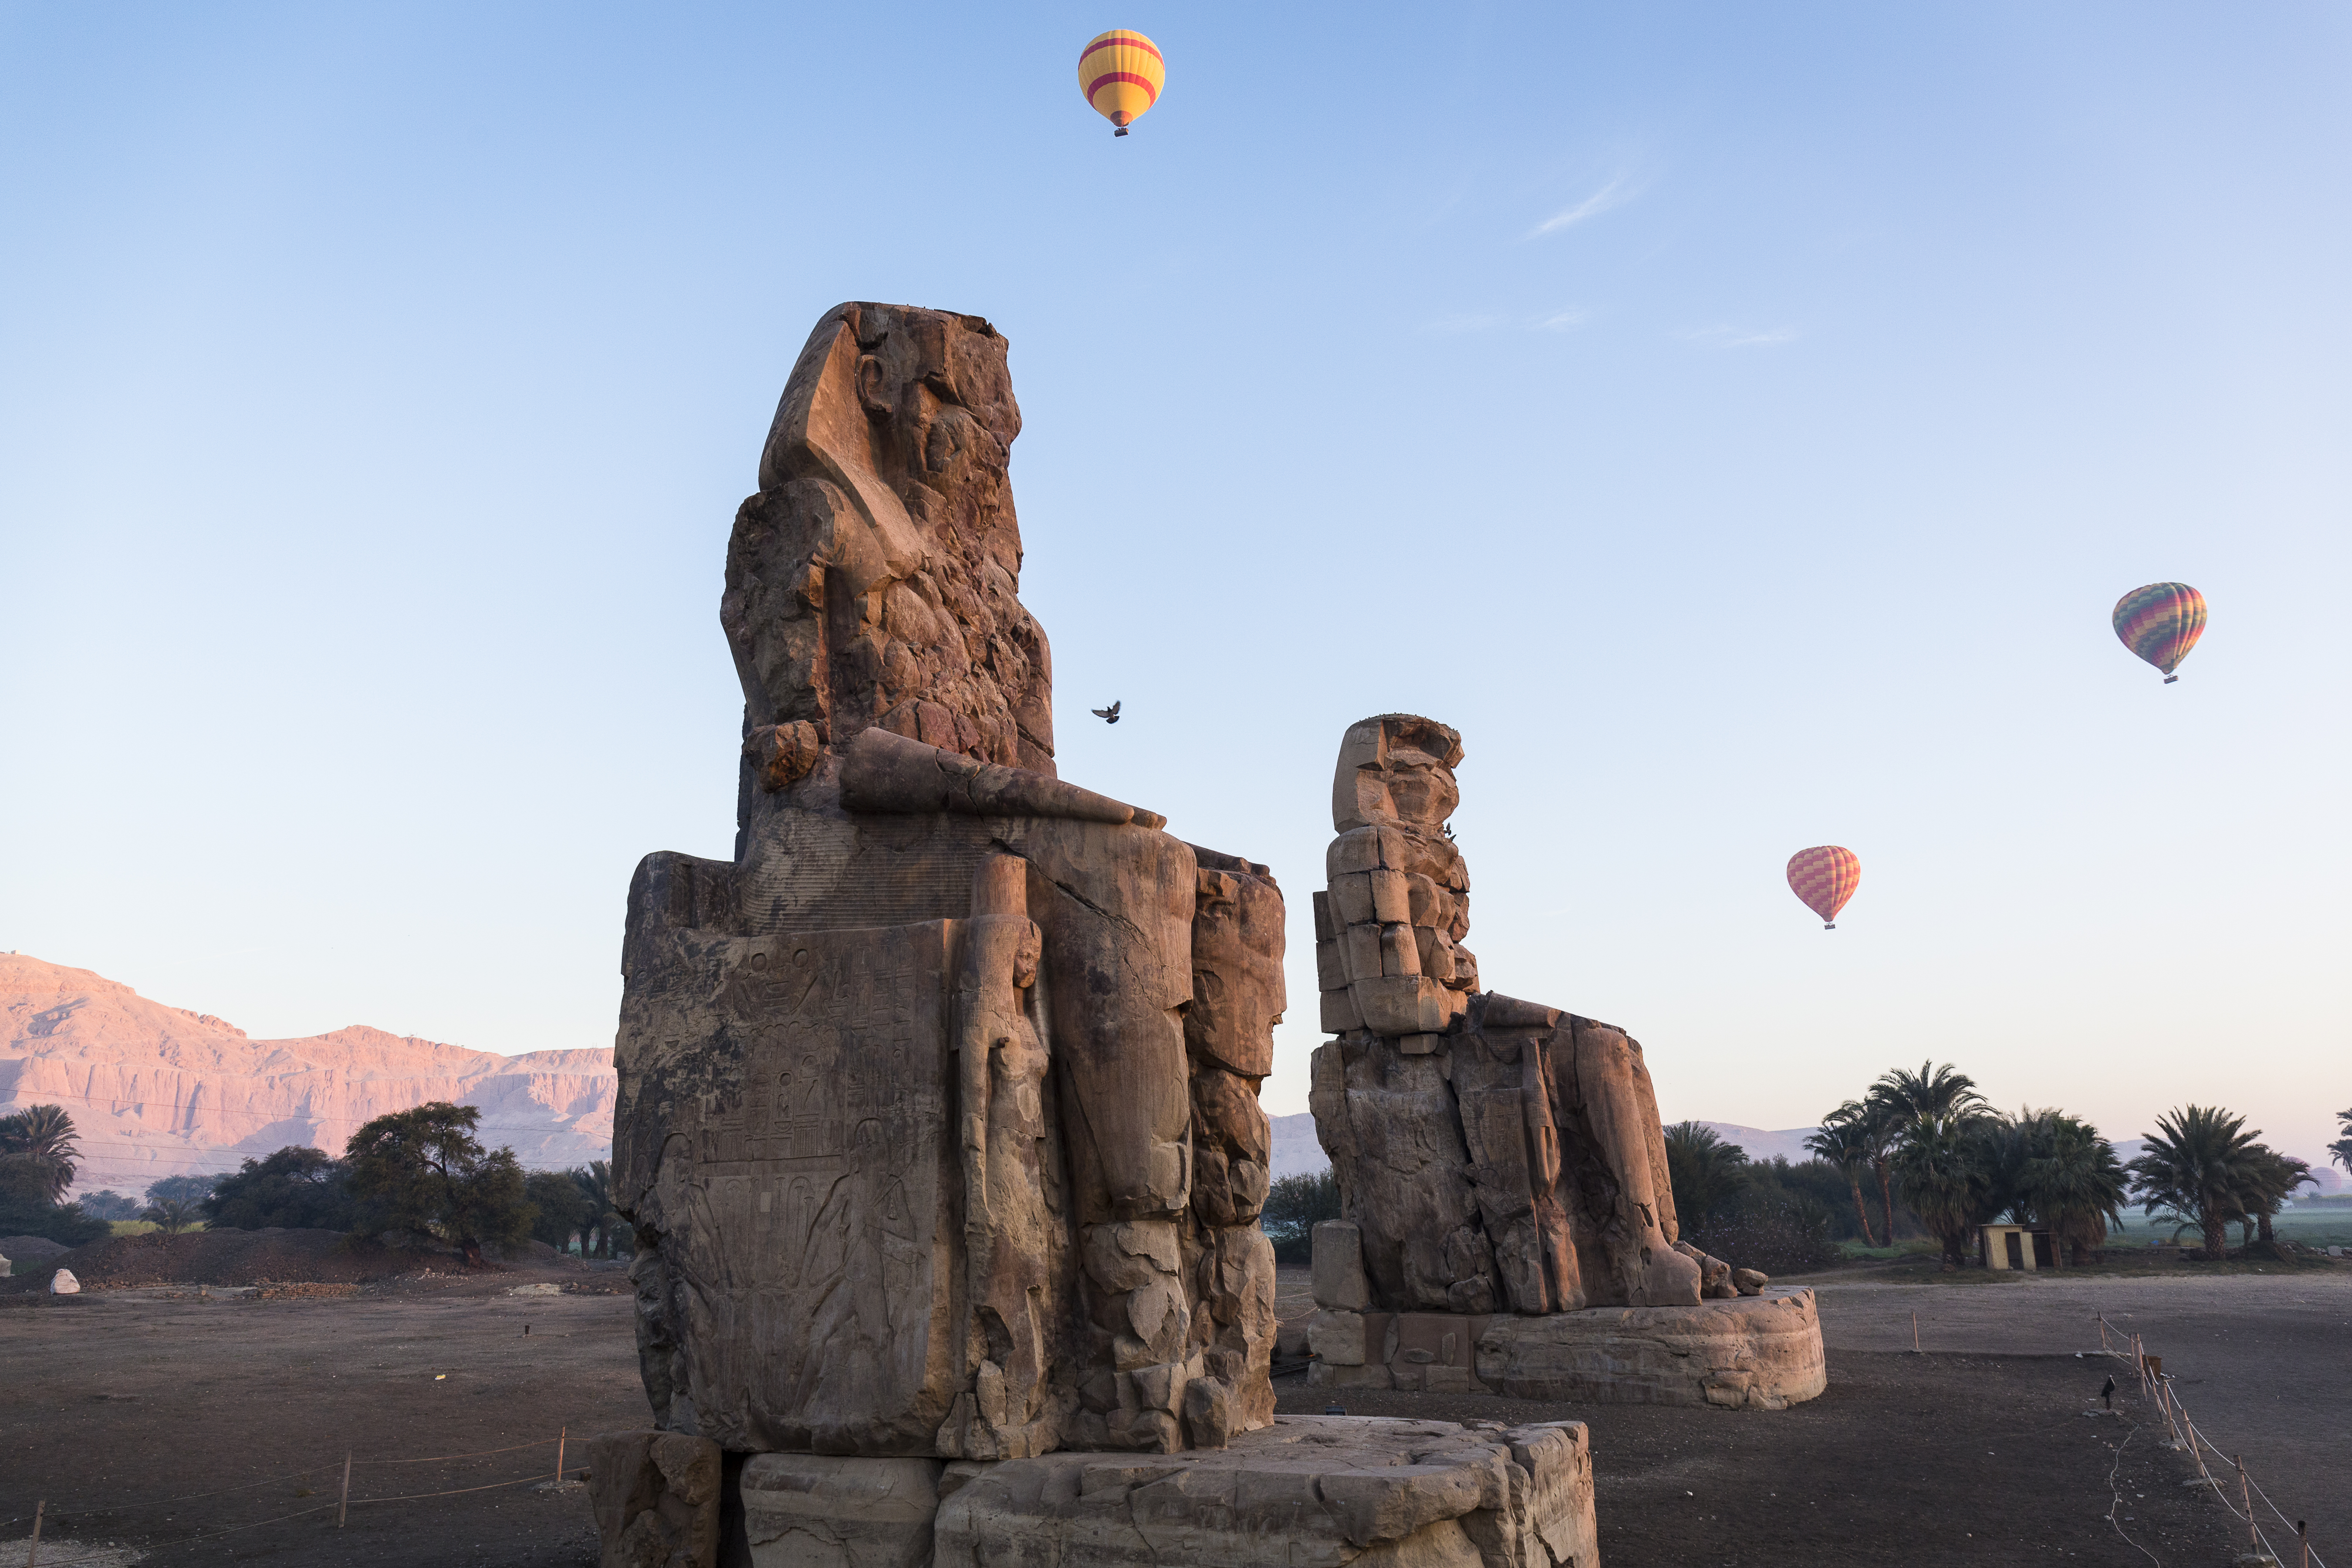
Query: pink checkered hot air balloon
column 2161, row 623
column 1824, row 878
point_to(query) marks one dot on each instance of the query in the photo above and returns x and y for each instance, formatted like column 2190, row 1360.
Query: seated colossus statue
column 937, row 1117
column 1494, row 1155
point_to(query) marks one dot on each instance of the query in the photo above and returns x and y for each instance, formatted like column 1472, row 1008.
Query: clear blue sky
column 1737, row 420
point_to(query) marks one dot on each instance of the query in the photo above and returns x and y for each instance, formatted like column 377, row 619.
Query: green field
column 2324, row 1227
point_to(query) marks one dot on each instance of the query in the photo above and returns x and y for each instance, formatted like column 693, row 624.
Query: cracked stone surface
column 1306, row 1492
column 938, row 1116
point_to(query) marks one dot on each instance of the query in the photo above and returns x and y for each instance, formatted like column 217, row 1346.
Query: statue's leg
column 1620, row 1116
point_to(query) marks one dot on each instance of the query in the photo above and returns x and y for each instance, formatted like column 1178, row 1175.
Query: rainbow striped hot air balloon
column 1121, row 72
column 2160, row 623
column 1824, row 878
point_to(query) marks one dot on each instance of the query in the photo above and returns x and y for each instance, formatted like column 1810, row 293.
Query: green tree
column 1705, row 1171
column 421, row 1175
column 192, row 1190
column 2070, row 1180
column 297, row 1188
column 1294, row 1206
column 563, row 1205
column 43, row 1136
column 609, row 1228
column 172, row 1215
column 107, row 1204
column 1943, row 1167
column 1935, row 1094
column 2341, row 1150
column 2271, row 1179
column 1844, row 1141
column 2199, row 1165
column 27, row 1207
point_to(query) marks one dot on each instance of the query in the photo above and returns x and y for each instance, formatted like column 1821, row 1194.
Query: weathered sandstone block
column 1308, row 1491
column 1755, row 1353
column 1338, row 1258
column 804, row 1511
column 655, row 1498
column 1337, row 1338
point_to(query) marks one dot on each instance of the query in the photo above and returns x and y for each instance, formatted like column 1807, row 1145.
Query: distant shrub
column 109, row 1205
column 1772, row 1232
column 296, row 1188
column 25, row 1208
column 1294, row 1206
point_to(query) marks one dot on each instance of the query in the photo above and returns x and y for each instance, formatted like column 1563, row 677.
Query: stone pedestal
column 803, row 1510
column 1306, row 1492
column 1752, row 1353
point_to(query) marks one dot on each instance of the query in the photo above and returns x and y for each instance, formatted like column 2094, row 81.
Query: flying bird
column 1107, row 715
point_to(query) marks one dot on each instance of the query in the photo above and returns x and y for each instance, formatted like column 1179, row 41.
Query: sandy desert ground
column 204, row 1428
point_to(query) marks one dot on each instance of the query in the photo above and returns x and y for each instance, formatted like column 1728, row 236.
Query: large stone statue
column 1494, row 1156
column 910, row 1089
column 938, row 1118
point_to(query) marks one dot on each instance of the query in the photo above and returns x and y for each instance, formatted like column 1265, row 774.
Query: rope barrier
column 2158, row 1385
column 346, row 1501
column 478, row 1454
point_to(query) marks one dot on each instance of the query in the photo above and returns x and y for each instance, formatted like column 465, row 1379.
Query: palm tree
column 1704, row 1170
column 2200, row 1163
column 1942, row 1166
column 44, row 1135
column 1902, row 1101
column 2071, row 1182
column 1844, row 1140
column 1929, row 1095
column 596, row 1181
column 2272, row 1179
column 2341, row 1150
column 173, row 1216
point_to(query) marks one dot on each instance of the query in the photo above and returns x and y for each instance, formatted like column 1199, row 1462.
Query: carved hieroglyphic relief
column 812, row 1260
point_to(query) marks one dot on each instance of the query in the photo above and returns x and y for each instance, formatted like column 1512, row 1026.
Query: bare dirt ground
column 122, row 1405
column 118, row 1401
column 2261, row 1360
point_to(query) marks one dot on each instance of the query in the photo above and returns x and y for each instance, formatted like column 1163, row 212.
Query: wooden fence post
column 561, row 1434
column 2253, row 1537
column 32, row 1557
column 2303, row 1534
column 344, row 1503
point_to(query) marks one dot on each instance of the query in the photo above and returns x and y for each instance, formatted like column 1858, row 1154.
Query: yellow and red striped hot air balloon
column 1824, row 878
column 1121, row 72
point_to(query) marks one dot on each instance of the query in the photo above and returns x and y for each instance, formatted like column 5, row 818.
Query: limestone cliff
column 156, row 1090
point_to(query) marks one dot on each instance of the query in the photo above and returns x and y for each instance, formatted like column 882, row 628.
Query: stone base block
column 1332, row 1374
column 814, row 1510
column 1329, row 1491
column 1753, row 1352
column 655, row 1498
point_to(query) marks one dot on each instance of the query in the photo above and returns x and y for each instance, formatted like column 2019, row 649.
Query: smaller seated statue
column 1494, row 1155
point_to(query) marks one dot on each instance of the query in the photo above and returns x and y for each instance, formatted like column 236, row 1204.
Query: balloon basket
column 2170, row 678
column 1120, row 130
column 1829, row 925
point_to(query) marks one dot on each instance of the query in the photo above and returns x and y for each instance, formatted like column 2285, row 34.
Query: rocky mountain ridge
column 156, row 1090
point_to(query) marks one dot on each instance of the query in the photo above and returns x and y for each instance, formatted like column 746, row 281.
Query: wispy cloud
column 1730, row 337
column 1615, row 193
column 1561, row 321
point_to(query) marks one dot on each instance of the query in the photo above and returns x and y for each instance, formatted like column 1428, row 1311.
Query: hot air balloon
column 2161, row 623
column 1824, row 878
column 1120, row 73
